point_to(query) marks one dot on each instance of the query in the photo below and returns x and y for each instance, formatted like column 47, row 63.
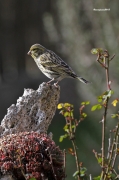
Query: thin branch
column 104, row 59
column 112, row 151
column 101, row 64
column 112, row 57
column 109, row 146
column 74, row 148
column 90, row 177
column 115, row 153
column 98, row 60
column 103, row 137
column 106, row 64
column 76, row 158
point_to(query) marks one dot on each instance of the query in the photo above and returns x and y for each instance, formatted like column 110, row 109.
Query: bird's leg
column 55, row 84
column 50, row 81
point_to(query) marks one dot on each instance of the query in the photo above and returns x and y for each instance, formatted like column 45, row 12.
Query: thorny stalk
column 72, row 138
column 76, row 158
column 113, row 148
column 103, row 137
column 105, row 65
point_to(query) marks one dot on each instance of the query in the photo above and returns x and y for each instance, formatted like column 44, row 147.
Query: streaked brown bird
column 52, row 65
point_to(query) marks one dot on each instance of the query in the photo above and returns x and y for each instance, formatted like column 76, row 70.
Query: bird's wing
column 53, row 62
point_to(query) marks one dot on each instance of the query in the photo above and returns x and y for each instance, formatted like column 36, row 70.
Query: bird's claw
column 56, row 84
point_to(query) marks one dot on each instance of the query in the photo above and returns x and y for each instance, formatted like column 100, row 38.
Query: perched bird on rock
column 52, row 65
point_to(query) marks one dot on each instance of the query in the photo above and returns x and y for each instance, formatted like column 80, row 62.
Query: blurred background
column 70, row 29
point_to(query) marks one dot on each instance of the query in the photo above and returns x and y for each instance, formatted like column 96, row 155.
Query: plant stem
column 109, row 147
column 112, row 151
column 103, row 137
column 76, row 157
column 106, row 63
column 72, row 137
column 115, row 152
column 90, row 176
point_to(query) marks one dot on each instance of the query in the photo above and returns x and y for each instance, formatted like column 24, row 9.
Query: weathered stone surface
column 33, row 111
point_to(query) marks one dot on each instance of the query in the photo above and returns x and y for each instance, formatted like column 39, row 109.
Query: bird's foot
column 56, row 84
column 50, row 81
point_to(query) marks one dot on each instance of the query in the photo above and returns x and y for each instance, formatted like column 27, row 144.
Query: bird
column 52, row 65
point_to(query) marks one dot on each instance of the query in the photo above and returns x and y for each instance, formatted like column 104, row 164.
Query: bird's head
column 36, row 50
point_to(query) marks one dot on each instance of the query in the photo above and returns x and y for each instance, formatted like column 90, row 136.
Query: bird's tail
column 83, row 80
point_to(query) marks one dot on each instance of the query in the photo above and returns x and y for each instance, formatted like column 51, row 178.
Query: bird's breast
column 46, row 70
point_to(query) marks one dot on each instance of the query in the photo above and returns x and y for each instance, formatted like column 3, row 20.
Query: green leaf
column 73, row 126
column 96, row 50
column 94, row 107
column 66, row 128
column 66, row 114
column 32, row 178
column 114, row 115
column 62, row 137
column 68, row 105
column 113, row 176
column 100, row 50
column 85, row 103
column 71, row 114
column 99, row 98
column 82, row 171
column 66, row 135
column 84, row 115
column 97, row 106
column 76, row 174
column 112, row 92
column 97, row 178
column 99, row 160
column 64, row 105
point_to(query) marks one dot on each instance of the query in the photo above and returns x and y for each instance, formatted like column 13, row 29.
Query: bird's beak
column 29, row 53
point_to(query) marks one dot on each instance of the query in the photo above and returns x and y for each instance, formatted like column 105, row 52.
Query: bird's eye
column 35, row 49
